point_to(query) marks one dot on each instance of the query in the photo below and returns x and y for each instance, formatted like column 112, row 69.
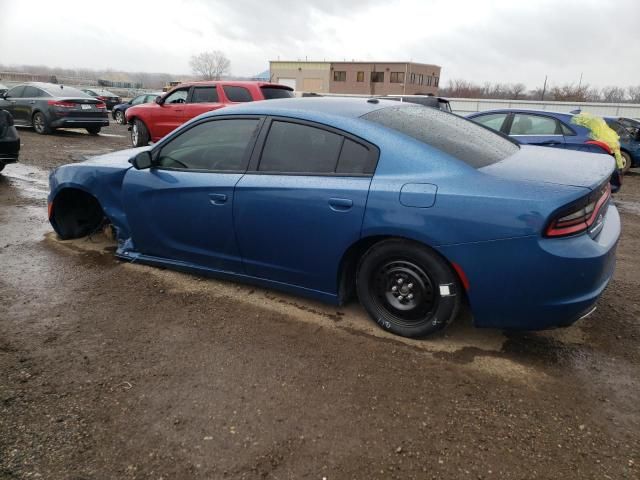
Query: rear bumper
column 535, row 283
column 80, row 122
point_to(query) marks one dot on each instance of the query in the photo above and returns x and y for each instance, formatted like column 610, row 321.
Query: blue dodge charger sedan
column 411, row 209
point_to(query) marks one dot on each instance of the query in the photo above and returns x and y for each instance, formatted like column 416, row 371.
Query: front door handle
column 217, row 198
column 340, row 204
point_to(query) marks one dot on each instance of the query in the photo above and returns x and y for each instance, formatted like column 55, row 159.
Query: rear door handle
column 340, row 204
column 217, row 198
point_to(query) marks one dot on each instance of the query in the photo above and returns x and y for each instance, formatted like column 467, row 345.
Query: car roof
column 233, row 83
column 303, row 106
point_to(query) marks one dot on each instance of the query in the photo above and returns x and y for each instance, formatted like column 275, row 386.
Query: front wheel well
column 75, row 213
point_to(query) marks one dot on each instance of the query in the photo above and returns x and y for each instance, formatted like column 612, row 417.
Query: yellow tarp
column 599, row 130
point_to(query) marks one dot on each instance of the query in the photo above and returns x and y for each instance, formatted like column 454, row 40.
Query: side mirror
column 142, row 160
column 159, row 100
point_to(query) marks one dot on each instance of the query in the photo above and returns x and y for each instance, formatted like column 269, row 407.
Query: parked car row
column 119, row 110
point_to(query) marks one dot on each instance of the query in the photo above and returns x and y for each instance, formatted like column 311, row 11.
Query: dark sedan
column 47, row 106
column 118, row 111
column 9, row 140
column 110, row 99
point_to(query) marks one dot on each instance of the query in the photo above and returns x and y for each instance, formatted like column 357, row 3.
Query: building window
column 339, row 76
column 435, row 81
column 420, row 79
column 377, row 77
column 429, row 80
column 413, row 78
column 360, row 77
column 397, row 77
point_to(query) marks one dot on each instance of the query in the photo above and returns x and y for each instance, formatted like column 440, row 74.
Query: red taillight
column 101, row 105
column 61, row 104
column 600, row 144
column 582, row 217
column 104, row 99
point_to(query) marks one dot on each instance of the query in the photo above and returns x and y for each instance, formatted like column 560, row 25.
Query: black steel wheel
column 407, row 288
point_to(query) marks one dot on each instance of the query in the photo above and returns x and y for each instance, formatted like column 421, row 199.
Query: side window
column 494, row 120
column 219, row 145
column 32, row 92
column 138, row 100
column 355, row 159
column 295, row 148
column 150, row 98
column 204, row 95
column 237, row 94
column 178, row 96
column 534, row 125
column 16, row 92
column 566, row 131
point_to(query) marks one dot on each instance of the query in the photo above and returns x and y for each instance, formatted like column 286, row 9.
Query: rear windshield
column 63, row 91
column 473, row 144
column 275, row 92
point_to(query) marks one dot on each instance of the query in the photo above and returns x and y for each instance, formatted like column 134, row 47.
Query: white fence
column 464, row 106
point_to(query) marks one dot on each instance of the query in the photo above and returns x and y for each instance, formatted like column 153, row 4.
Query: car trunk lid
column 554, row 165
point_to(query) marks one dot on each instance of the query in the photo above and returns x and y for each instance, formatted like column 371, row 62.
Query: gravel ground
column 113, row 370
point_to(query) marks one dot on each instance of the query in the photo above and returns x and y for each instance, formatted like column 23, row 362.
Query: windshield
column 473, row 144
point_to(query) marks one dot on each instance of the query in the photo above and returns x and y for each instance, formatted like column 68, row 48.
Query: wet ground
column 112, row 370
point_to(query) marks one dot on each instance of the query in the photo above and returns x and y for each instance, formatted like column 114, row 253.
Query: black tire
column 416, row 306
column 139, row 134
column 94, row 130
column 40, row 124
column 118, row 116
column 627, row 162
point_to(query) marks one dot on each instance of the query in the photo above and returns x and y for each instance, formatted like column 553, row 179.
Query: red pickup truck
column 152, row 121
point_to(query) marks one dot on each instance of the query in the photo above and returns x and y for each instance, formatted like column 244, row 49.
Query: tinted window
column 215, row 145
column 16, row 92
column 454, row 135
column 32, row 92
column 139, row 99
column 204, row 95
column 566, row 131
column 494, row 120
column 177, row 96
column 377, row 77
column 355, row 159
column 295, row 148
column 64, row 91
column 534, row 125
column 237, row 94
column 275, row 92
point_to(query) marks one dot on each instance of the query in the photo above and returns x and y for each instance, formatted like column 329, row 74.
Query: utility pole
column 544, row 88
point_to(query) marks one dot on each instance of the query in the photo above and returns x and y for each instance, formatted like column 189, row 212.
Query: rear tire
column 139, row 134
column 94, row 130
column 40, row 124
column 119, row 117
column 627, row 162
column 403, row 285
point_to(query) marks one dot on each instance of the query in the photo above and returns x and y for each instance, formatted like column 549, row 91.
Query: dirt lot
column 111, row 370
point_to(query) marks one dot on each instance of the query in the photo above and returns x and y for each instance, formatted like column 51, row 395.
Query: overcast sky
column 505, row 41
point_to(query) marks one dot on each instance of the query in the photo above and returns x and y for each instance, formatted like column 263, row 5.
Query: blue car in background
column 629, row 132
column 412, row 209
column 118, row 111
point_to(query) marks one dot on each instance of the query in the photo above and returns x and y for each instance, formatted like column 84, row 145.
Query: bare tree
column 210, row 65
column 634, row 94
column 517, row 90
column 613, row 94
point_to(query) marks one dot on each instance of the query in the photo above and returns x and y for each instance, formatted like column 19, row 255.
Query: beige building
column 364, row 78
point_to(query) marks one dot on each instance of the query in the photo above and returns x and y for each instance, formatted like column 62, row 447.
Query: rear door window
column 494, row 121
column 237, row 94
column 355, row 159
column 32, row 92
column 524, row 124
column 295, row 148
column 204, row 95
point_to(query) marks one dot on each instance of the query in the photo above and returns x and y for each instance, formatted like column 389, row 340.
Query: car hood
column 119, row 159
column 554, row 165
